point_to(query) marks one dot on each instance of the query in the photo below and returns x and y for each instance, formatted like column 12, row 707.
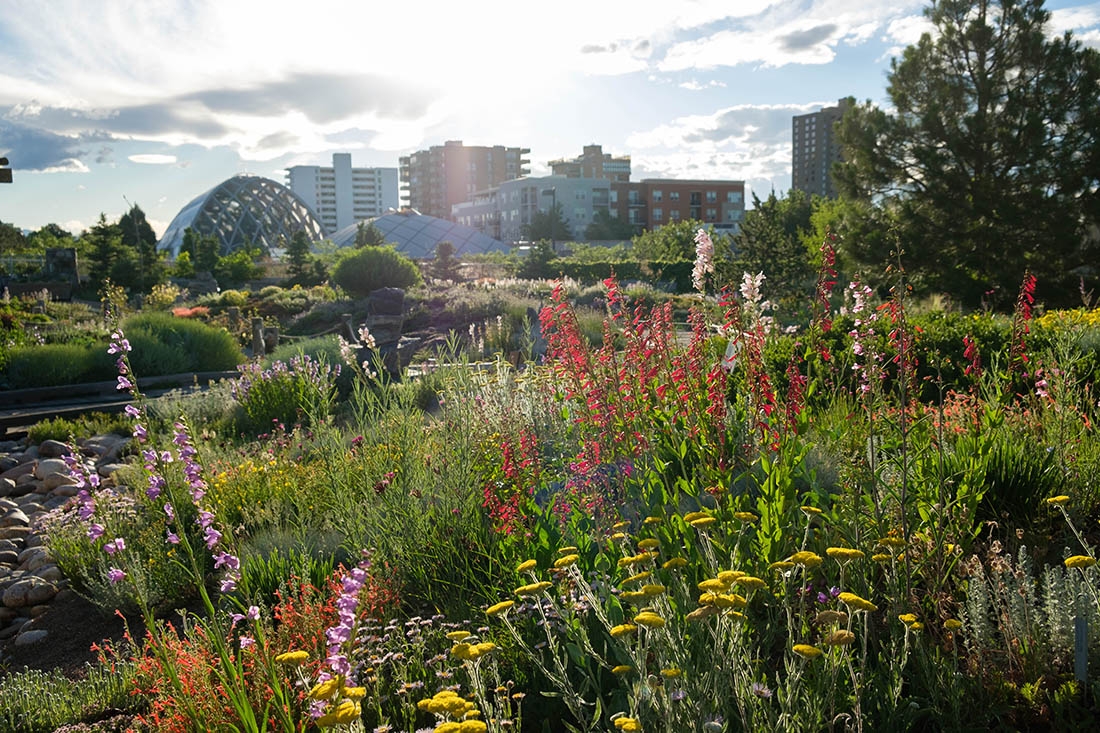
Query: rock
column 14, row 532
column 34, row 558
column 50, row 466
column 57, row 500
column 14, row 518
column 7, row 615
column 7, row 463
column 12, row 545
column 31, row 637
column 35, row 540
column 10, row 631
column 37, row 611
column 53, row 449
column 386, row 302
column 30, row 454
column 30, row 591
column 49, row 573
column 24, row 480
column 9, row 557
column 7, row 486
column 108, row 468
column 57, row 480
column 99, row 445
column 20, row 470
column 64, row 594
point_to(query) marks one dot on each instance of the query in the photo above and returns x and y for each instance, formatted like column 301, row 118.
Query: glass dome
column 240, row 209
column 415, row 235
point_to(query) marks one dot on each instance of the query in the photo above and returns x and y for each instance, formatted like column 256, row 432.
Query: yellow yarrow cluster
column 293, row 659
column 851, row 600
column 623, row 630
column 447, row 702
column 844, row 554
column 838, row 637
column 498, row 608
column 631, row 725
column 649, row 544
column 346, row 713
column 806, row 559
column 526, row 565
column 649, row 619
column 1080, row 561
column 472, row 652
column 675, row 562
column 566, row 561
column 465, row 726
column 532, row 589
column 806, row 651
column 636, row 559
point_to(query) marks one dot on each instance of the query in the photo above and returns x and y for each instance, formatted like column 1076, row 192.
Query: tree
column 11, row 239
column 605, row 227
column 299, row 256
column 990, row 164
column 550, row 225
column 772, row 240
column 445, row 265
column 105, row 252
column 362, row 271
column 139, row 238
column 368, row 235
column 672, row 242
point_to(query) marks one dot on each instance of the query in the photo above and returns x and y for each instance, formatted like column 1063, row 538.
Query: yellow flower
column 810, row 511
column 628, row 724
column 457, row 635
column 729, row 600
column 891, row 542
column 844, row 554
column 750, row 582
column 747, row 517
column 881, row 557
column 621, row 669
column 472, row 726
column 623, row 630
column 618, row 536
column 806, row 651
column 714, row 585
column 851, row 600
column 1058, row 500
column 692, row 516
column 675, row 562
column 620, row 525
column 730, row 576
column 532, row 589
column 526, row 565
column 293, row 659
column 633, row 560
column 567, row 550
column 346, row 712
column 908, row 618
column 916, row 626
column 839, row 637
column 781, row 565
column 952, row 624
column 325, row 690
column 703, row 522
column 448, row 727
column 1080, row 561
column 652, row 520
column 632, row 596
column 636, row 577
column 354, row 693
column 654, row 589
column 649, row 544
column 564, row 562
column 649, row 619
column 806, row 559
column 671, row 673
column 499, row 608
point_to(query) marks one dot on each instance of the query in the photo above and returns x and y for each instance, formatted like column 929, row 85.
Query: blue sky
column 155, row 101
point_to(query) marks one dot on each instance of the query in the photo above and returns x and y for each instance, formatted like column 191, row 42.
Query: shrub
column 365, row 270
column 286, row 393
column 167, row 345
column 96, row 423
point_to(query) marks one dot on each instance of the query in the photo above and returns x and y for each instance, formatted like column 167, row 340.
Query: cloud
column 801, row 40
column 105, row 156
column 35, row 149
column 695, row 86
column 152, row 159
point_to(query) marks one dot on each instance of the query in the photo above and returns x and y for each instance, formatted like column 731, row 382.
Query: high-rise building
column 593, row 162
column 814, row 149
column 341, row 195
column 444, row 175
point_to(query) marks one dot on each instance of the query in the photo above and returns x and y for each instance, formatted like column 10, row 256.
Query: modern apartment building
column 436, row 179
column 814, row 149
column 341, row 195
column 651, row 203
column 593, row 162
column 503, row 212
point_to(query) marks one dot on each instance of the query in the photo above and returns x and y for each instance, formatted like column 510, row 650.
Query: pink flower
column 115, row 575
column 115, row 545
column 704, row 259
column 124, row 383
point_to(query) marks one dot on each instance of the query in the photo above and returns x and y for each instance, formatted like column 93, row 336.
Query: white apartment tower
column 341, row 195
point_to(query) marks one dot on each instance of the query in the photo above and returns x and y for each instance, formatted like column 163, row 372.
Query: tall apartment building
column 814, row 149
column 651, row 203
column 341, row 195
column 593, row 162
column 444, row 175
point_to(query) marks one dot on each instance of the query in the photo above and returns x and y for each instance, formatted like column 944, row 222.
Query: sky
column 153, row 102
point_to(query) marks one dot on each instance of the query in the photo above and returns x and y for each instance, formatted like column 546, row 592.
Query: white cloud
column 74, row 225
column 1074, row 19
column 152, row 158
column 695, row 86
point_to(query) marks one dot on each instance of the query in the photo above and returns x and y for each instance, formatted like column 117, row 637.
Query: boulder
column 53, row 449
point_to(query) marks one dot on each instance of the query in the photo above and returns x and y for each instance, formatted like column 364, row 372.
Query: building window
column 673, row 195
column 733, row 197
column 614, row 197
column 657, row 214
column 674, row 215
column 712, row 214
column 734, row 215
column 656, row 195
column 712, row 197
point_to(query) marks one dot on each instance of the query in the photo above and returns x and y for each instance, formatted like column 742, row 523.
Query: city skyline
column 159, row 101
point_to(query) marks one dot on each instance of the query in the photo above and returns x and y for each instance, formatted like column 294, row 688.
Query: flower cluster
column 704, row 259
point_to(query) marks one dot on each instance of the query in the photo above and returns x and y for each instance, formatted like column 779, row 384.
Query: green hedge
column 162, row 344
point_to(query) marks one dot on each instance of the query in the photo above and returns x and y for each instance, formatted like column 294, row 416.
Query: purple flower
column 95, row 531
column 124, row 383
column 205, row 519
column 156, row 486
column 132, row 412
column 253, row 613
column 247, row 641
column 228, row 584
column 139, row 432
column 230, row 561
column 678, row 695
column 115, row 575
column 115, row 545
column 211, row 536
column 761, row 690
column 170, row 511
column 172, row 538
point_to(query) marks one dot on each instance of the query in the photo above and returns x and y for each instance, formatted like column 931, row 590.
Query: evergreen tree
column 772, row 241
column 550, row 225
column 605, row 227
column 368, row 235
column 299, row 255
column 445, row 265
column 990, row 163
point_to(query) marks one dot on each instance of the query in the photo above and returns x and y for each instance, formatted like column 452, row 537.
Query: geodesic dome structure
column 416, row 235
column 240, row 209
